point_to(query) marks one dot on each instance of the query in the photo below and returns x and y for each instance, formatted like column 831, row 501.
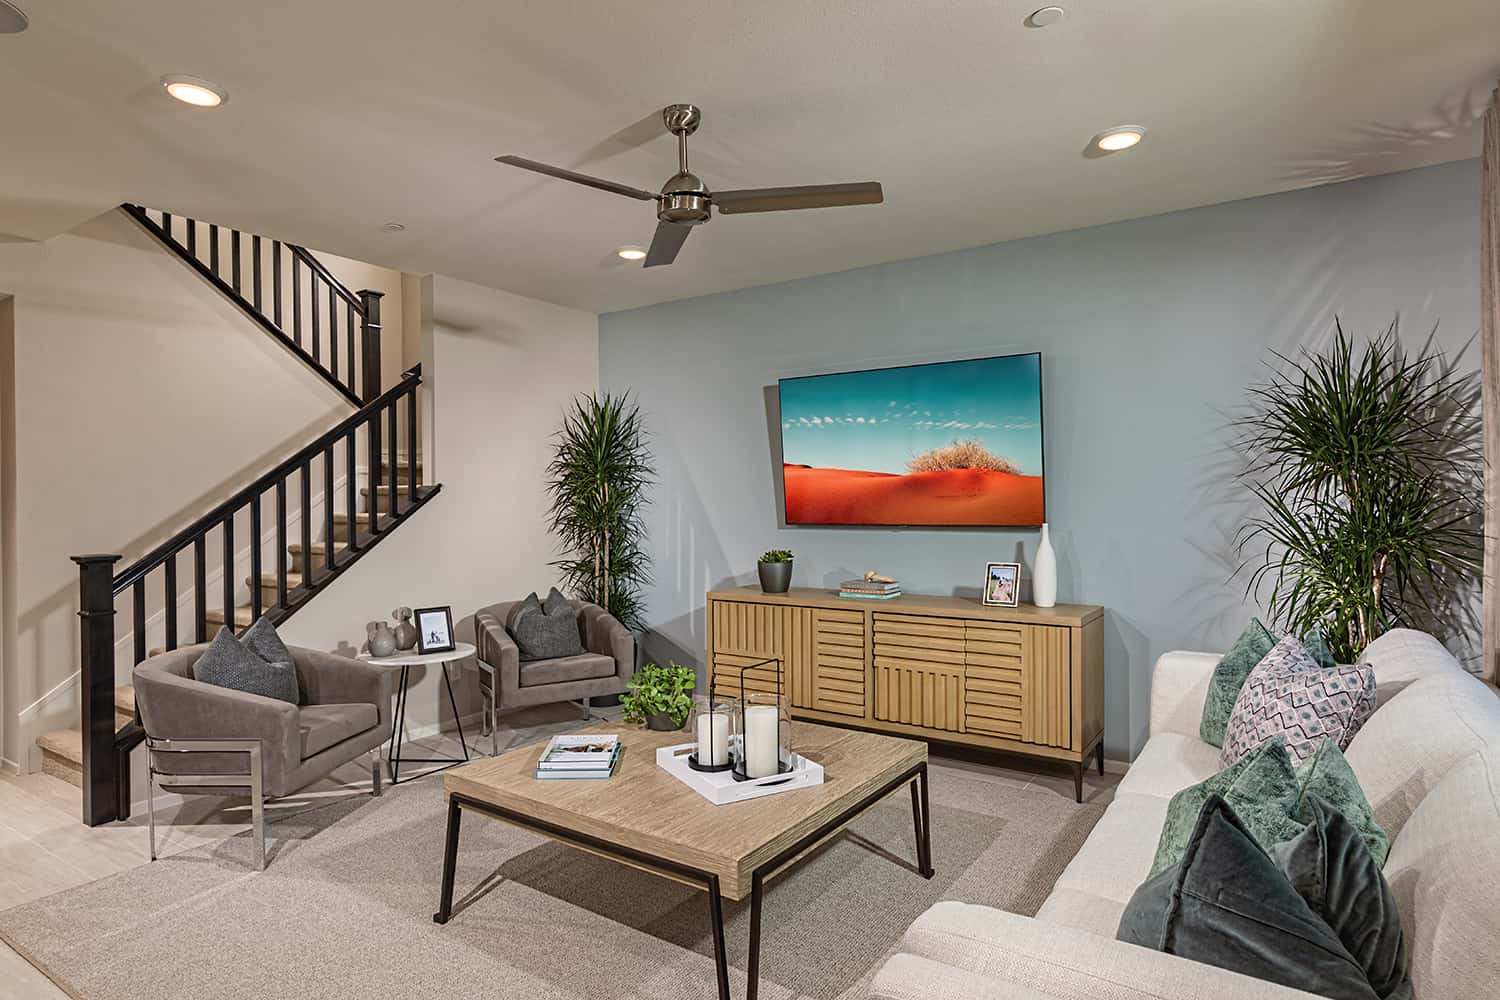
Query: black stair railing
column 287, row 291
column 311, row 472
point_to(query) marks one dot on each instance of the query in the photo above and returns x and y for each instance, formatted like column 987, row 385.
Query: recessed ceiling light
column 631, row 253
column 194, row 90
column 393, row 227
column 1045, row 16
column 1120, row 137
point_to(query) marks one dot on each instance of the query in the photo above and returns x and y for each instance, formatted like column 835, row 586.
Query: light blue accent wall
column 1149, row 332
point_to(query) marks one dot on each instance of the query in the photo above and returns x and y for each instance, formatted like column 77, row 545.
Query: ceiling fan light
column 194, row 90
column 1120, row 137
column 631, row 253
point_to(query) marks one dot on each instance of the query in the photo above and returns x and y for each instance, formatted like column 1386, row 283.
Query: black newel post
column 369, row 332
column 96, row 633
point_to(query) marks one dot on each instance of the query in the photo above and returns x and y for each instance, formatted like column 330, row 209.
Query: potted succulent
column 661, row 697
column 775, row 569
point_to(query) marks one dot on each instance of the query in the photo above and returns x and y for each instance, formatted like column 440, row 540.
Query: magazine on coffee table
column 579, row 753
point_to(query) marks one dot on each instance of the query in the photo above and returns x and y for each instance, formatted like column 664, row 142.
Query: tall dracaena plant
column 598, row 482
column 1366, row 468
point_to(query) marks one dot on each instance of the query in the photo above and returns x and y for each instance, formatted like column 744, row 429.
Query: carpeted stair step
column 341, row 526
column 401, row 469
column 243, row 619
column 62, row 755
column 315, row 558
column 268, row 589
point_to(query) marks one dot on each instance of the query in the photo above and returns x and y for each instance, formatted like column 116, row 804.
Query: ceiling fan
column 684, row 201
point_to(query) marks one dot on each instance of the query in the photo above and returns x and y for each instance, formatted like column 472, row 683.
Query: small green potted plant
column 775, row 569
column 661, row 697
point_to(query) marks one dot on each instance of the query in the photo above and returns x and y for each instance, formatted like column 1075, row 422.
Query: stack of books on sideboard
column 870, row 590
column 579, row 757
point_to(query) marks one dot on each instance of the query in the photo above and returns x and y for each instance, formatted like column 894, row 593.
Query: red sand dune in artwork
column 954, row 496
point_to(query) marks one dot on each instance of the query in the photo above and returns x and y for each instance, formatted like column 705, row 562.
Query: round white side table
column 405, row 661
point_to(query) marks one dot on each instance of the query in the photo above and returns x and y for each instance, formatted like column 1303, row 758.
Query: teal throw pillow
column 1263, row 790
column 1230, row 673
column 1328, row 776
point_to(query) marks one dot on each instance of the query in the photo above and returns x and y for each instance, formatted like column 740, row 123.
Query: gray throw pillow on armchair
column 542, row 634
column 227, row 663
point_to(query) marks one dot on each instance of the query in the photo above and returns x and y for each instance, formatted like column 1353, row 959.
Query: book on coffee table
column 577, row 756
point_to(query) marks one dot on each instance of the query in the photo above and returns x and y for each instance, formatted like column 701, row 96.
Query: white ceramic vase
column 1044, row 573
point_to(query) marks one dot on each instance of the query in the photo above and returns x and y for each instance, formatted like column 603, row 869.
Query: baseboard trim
column 8, row 766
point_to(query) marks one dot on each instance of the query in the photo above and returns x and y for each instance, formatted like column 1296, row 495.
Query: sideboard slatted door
column 838, row 663
column 994, row 678
column 1047, row 716
column 744, row 633
column 919, row 671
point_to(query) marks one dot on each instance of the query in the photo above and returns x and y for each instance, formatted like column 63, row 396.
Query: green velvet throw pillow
column 1230, row 673
column 1273, row 800
column 1261, row 788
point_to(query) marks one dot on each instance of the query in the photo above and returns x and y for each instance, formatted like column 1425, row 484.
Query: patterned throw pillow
column 228, row 664
column 1289, row 695
column 1230, row 673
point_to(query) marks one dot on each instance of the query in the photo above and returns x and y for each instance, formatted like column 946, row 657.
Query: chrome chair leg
column 258, row 807
column 151, row 804
column 587, row 714
column 375, row 787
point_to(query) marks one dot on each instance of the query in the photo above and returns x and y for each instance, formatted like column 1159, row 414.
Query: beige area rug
column 344, row 909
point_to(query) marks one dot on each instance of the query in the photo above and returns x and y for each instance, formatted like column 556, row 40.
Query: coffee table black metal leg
column 923, row 818
column 721, row 951
column 450, row 865
column 752, row 980
column 457, row 720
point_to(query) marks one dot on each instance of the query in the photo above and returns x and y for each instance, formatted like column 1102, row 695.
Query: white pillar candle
column 762, row 740
column 713, row 739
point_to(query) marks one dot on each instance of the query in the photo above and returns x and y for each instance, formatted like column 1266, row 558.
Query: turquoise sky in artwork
column 874, row 421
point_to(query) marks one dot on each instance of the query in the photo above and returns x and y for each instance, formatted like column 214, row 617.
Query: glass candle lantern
column 762, row 740
column 711, row 724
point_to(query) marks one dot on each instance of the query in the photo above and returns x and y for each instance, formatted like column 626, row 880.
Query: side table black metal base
column 394, row 757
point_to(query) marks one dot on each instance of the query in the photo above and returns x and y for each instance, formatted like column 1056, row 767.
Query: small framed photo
column 434, row 630
column 1002, row 584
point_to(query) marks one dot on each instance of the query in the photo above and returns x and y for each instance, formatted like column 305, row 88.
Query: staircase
column 279, row 541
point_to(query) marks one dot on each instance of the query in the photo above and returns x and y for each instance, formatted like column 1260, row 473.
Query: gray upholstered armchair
column 507, row 683
column 206, row 739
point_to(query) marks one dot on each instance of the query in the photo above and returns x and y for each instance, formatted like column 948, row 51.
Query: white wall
column 142, row 398
column 7, row 511
column 499, row 369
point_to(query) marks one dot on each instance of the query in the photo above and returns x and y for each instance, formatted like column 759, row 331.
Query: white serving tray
column 720, row 788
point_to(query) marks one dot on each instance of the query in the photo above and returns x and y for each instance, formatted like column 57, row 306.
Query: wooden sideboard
column 1023, row 680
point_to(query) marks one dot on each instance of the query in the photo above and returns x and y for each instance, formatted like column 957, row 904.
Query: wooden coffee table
column 646, row 818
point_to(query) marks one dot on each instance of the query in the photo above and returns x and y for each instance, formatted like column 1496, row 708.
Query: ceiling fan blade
column 664, row 245
column 786, row 199
column 576, row 178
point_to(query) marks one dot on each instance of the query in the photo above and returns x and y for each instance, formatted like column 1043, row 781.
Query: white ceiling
column 346, row 114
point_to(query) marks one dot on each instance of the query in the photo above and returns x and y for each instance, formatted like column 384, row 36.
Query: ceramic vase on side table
column 1044, row 573
column 382, row 640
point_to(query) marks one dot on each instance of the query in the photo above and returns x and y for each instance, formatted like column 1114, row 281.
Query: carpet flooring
column 344, row 909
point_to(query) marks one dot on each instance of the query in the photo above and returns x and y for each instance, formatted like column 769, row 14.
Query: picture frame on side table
column 434, row 629
column 1002, row 584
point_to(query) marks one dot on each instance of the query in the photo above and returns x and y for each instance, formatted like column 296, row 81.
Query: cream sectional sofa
column 1429, row 762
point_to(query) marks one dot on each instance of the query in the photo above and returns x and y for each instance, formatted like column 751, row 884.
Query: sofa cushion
column 1444, row 869
column 1117, row 855
column 1168, row 763
column 584, row 667
column 1288, row 694
column 1417, row 737
column 1227, row 903
column 228, row 664
column 1082, row 911
column 1404, row 655
column 1262, row 790
column 323, row 726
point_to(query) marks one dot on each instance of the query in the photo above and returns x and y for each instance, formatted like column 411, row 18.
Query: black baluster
column 281, row 544
column 213, row 247
column 192, row 238
column 349, row 344
column 169, row 599
column 297, row 299
column 317, row 340
column 138, row 624
column 392, row 465
column 255, row 266
column 255, row 591
column 328, row 507
column 234, row 258
column 200, row 588
column 166, row 223
column 372, row 475
column 351, row 485
column 306, row 522
column 228, row 571
column 333, row 331
column 411, row 440
column 276, row 278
